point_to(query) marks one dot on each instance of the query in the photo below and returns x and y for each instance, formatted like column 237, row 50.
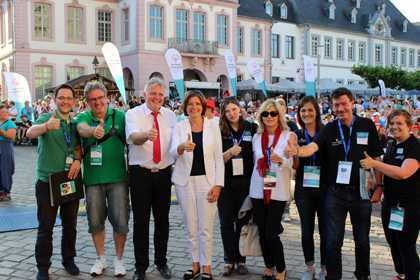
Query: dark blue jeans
column 338, row 202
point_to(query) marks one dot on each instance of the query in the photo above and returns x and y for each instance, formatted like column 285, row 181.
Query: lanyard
column 346, row 145
column 308, row 141
column 236, row 142
column 67, row 134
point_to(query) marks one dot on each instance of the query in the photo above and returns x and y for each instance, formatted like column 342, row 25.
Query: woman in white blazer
column 198, row 177
column 270, row 184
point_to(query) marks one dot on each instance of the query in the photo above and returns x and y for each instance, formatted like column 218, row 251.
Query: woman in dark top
column 401, row 204
column 309, row 190
column 237, row 154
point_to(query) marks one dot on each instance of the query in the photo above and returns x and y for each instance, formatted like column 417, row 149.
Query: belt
column 154, row 170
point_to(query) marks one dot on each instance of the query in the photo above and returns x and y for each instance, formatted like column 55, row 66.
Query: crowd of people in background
column 222, row 155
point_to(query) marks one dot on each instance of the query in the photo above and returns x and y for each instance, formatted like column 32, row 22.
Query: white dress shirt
column 212, row 149
column 140, row 119
column 284, row 172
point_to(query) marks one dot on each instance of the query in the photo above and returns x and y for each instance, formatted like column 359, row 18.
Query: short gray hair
column 154, row 82
column 91, row 86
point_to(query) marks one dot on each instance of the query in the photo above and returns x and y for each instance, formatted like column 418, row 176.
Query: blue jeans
column 107, row 200
column 339, row 201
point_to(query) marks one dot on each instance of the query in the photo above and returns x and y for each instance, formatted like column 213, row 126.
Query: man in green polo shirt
column 104, row 174
column 58, row 150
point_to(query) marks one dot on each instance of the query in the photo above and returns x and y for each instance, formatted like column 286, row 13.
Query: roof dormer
column 354, row 16
column 331, row 10
column 358, row 3
column 405, row 26
column 269, row 8
column 283, row 11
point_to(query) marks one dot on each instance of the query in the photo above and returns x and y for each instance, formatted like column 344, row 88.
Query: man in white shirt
column 149, row 130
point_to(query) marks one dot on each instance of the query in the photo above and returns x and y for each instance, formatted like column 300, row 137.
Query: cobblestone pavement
column 17, row 248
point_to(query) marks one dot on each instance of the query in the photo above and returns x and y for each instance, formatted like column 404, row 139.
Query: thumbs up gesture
column 53, row 123
column 189, row 144
column 291, row 149
column 368, row 162
column 275, row 158
column 99, row 131
column 152, row 134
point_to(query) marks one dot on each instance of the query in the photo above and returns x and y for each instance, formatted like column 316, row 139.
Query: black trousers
column 309, row 204
column 338, row 202
column 403, row 243
column 268, row 219
column 46, row 219
column 150, row 192
column 230, row 201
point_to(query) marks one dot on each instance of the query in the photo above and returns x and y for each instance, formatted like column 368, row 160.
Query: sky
column 409, row 8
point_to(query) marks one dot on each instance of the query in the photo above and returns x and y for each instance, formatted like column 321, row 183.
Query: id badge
column 69, row 162
column 400, row 151
column 362, row 138
column 270, row 178
column 344, row 172
column 238, row 166
column 247, row 137
column 396, row 221
column 311, row 176
column 96, row 155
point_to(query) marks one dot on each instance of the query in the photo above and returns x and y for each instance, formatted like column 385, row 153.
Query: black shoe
column 42, row 275
column 139, row 275
column 71, row 268
column 165, row 271
column 241, row 268
column 190, row 275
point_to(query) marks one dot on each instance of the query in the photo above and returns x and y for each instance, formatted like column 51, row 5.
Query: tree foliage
column 393, row 77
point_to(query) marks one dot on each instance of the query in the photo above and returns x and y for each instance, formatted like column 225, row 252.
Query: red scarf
column 263, row 163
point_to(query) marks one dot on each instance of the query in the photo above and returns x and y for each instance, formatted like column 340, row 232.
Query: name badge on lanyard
column 311, row 176
column 400, row 151
column 247, row 136
column 67, row 138
column 96, row 155
column 362, row 138
column 69, row 162
column 344, row 167
column 237, row 166
column 270, row 178
column 396, row 221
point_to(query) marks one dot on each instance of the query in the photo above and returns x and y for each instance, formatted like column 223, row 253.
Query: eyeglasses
column 100, row 98
column 272, row 114
column 62, row 98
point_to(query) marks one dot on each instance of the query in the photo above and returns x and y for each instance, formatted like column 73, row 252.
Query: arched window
column 269, row 8
column 283, row 11
column 332, row 12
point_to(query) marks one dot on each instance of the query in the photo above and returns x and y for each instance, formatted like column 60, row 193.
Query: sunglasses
column 272, row 114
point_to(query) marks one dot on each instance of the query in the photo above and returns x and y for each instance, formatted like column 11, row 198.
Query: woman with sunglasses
column 309, row 190
column 270, row 184
column 401, row 204
column 198, row 177
column 237, row 153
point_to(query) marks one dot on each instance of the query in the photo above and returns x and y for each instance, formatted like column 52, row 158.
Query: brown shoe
column 228, row 270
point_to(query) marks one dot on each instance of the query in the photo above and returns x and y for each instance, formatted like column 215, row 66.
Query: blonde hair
column 281, row 118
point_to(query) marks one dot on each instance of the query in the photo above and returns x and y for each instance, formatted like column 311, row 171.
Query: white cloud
column 409, row 8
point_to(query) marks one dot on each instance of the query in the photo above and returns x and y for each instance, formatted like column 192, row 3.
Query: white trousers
column 198, row 217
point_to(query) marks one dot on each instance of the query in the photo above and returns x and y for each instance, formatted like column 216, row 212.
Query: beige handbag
column 249, row 242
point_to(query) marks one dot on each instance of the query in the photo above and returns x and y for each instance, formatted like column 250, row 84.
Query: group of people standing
column 217, row 166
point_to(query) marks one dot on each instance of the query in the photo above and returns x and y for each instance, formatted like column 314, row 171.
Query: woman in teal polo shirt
column 7, row 160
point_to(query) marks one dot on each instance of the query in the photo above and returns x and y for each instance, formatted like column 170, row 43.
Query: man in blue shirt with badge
column 342, row 145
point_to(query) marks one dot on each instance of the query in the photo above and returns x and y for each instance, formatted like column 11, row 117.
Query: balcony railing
column 193, row 46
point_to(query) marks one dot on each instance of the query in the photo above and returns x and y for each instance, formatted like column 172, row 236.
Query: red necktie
column 156, row 143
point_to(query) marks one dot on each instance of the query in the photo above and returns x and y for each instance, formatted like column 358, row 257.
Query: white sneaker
column 322, row 275
column 98, row 267
column 308, row 275
column 119, row 268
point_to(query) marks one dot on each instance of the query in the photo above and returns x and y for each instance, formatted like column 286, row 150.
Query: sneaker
column 119, row 268
column 308, row 275
column 286, row 217
column 98, row 267
column 8, row 197
column 322, row 275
